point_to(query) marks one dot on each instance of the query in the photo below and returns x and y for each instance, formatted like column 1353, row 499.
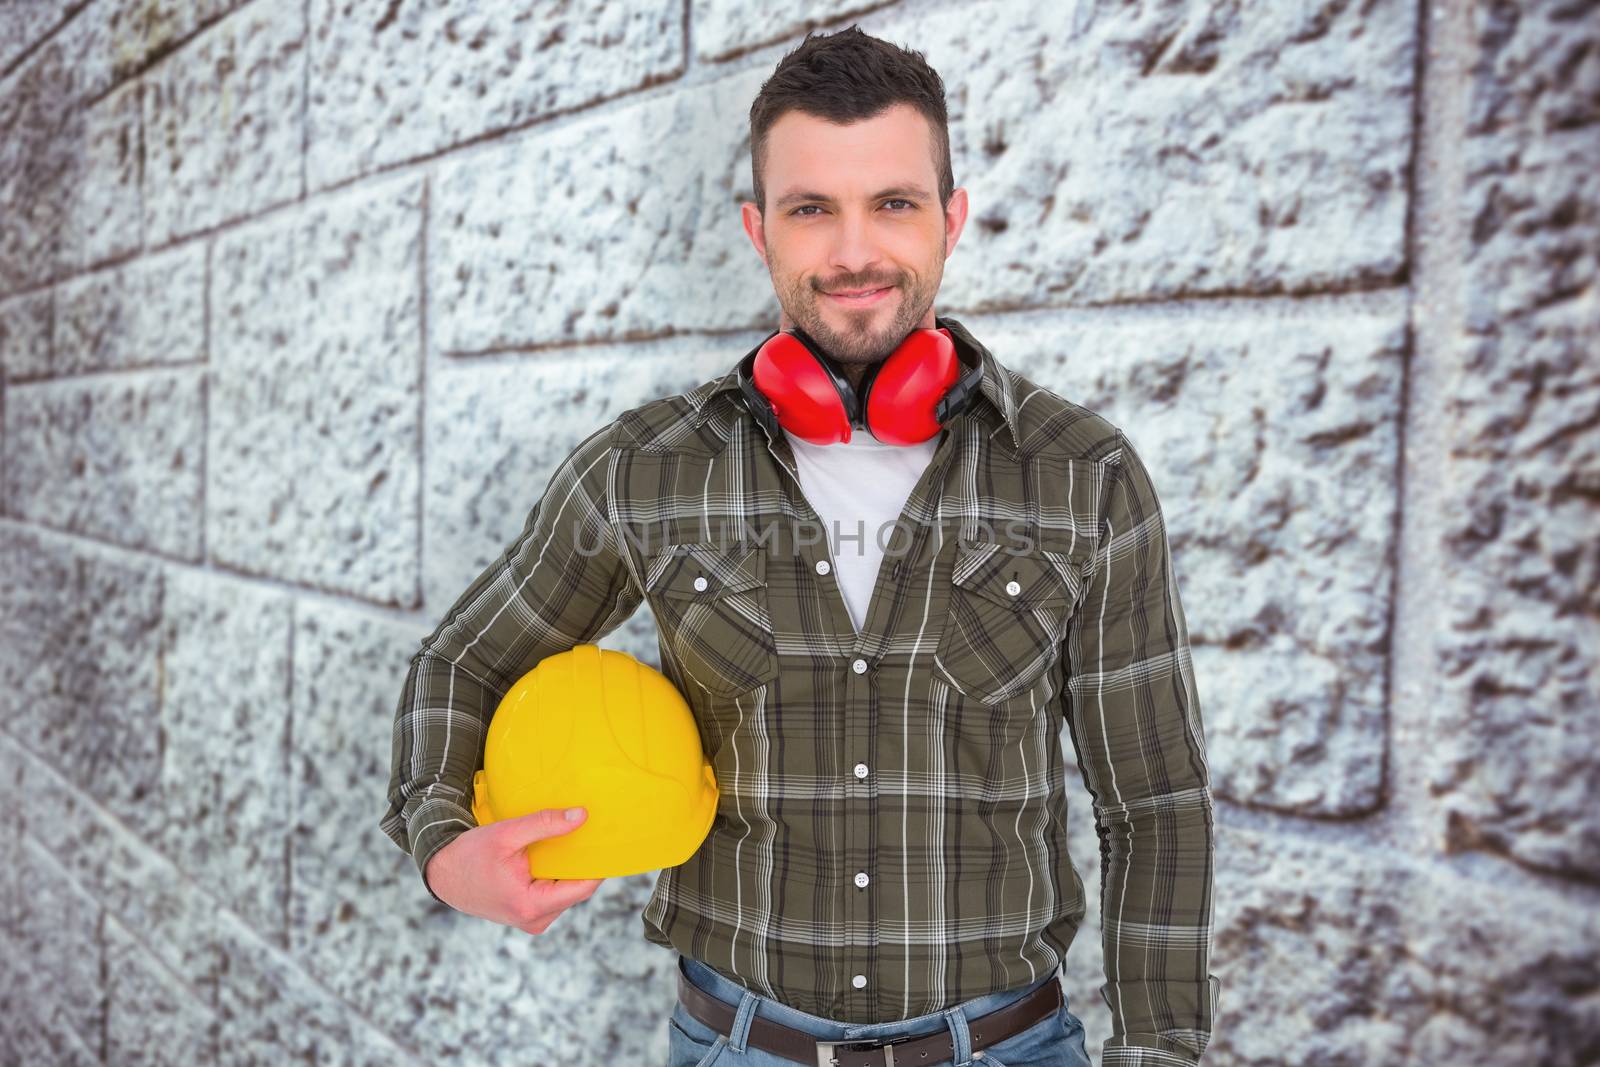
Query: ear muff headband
column 904, row 399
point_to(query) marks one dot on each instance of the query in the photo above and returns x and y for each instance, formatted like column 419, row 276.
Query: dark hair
column 845, row 77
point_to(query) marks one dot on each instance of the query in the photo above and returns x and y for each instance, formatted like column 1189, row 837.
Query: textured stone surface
column 660, row 247
column 1230, row 121
column 10, row 856
column 36, row 106
column 25, row 335
column 117, row 458
column 112, row 41
column 270, row 1011
column 129, row 34
column 94, row 161
column 182, row 970
column 395, row 259
column 153, row 1016
column 526, row 418
column 725, row 28
column 315, row 371
column 14, row 963
column 23, row 23
column 149, row 311
column 102, row 853
column 61, row 942
column 81, row 666
column 1284, row 574
column 393, row 81
column 1120, row 151
column 224, row 122
column 1344, row 955
column 225, row 724
column 355, row 896
column 102, row 215
column 1516, row 769
column 38, row 1042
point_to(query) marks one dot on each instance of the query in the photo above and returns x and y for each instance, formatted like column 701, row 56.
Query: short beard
column 861, row 348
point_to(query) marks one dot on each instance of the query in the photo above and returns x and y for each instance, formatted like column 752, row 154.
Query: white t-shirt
column 859, row 487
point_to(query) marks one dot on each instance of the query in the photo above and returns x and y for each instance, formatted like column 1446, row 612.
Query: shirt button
column 859, row 666
column 700, row 584
column 861, row 770
column 859, row 981
column 822, row 566
column 861, row 879
column 1013, row 588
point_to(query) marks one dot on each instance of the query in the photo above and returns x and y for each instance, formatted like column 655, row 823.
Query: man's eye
column 896, row 200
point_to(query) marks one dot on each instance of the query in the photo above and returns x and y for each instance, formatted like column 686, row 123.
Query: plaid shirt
column 891, row 836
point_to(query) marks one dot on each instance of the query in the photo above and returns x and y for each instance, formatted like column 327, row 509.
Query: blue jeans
column 1054, row 1041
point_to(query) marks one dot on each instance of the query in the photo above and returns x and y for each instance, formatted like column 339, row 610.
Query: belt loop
column 741, row 1021
column 960, row 1037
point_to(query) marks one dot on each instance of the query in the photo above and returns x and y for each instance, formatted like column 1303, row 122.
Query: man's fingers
column 553, row 890
column 522, row 831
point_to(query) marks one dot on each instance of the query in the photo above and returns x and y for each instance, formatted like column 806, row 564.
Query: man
column 882, row 707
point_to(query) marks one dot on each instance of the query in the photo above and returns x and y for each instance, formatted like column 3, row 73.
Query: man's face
column 850, row 208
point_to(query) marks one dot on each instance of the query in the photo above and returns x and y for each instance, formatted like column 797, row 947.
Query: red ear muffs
column 905, row 398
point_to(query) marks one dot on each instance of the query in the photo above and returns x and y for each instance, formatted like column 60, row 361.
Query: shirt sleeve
column 1135, row 720
column 561, row 583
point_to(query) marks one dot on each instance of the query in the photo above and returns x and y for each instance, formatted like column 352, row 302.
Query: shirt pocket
column 1006, row 619
column 710, row 603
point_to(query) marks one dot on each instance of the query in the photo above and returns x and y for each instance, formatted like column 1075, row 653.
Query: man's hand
column 484, row 872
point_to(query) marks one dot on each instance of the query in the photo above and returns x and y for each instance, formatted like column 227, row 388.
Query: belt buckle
column 826, row 1057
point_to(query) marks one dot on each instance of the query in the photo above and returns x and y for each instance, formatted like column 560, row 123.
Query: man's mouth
column 860, row 297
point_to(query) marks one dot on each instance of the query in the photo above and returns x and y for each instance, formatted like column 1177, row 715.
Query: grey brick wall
column 301, row 302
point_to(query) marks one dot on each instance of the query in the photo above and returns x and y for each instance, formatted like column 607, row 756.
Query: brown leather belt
column 928, row 1049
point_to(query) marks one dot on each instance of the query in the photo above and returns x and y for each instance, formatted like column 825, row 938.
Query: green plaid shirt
column 891, row 837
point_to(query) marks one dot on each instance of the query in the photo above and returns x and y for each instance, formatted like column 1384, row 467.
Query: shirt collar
column 996, row 397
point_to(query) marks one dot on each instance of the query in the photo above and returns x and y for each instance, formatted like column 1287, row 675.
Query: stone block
column 102, row 215
column 27, row 24
column 149, row 311
column 356, row 899
column 60, row 939
column 591, row 230
column 81, row 672
column 1273, row 443
column 225, row 718
column 1513, row 764
column 315, row 378
column 224, row 122
column 118, row 866
column 270, row 1011
column 36, row 159
column 153, row 1016
column 25, row 335
column 390, row 82
column 117, row 458
column 1120, row 152
column 1336, row 953
column 724, row 29
column 526, row 417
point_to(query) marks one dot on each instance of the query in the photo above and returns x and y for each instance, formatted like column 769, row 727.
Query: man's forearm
column 1157, row 856
column 438, row 733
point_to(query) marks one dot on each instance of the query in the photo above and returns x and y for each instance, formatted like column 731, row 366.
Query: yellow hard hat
column 596, row 728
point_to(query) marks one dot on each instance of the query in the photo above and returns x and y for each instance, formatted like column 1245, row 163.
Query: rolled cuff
column 434, row 825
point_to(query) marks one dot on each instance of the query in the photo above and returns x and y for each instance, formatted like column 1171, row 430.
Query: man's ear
column 750, row 215
column 955, row 219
